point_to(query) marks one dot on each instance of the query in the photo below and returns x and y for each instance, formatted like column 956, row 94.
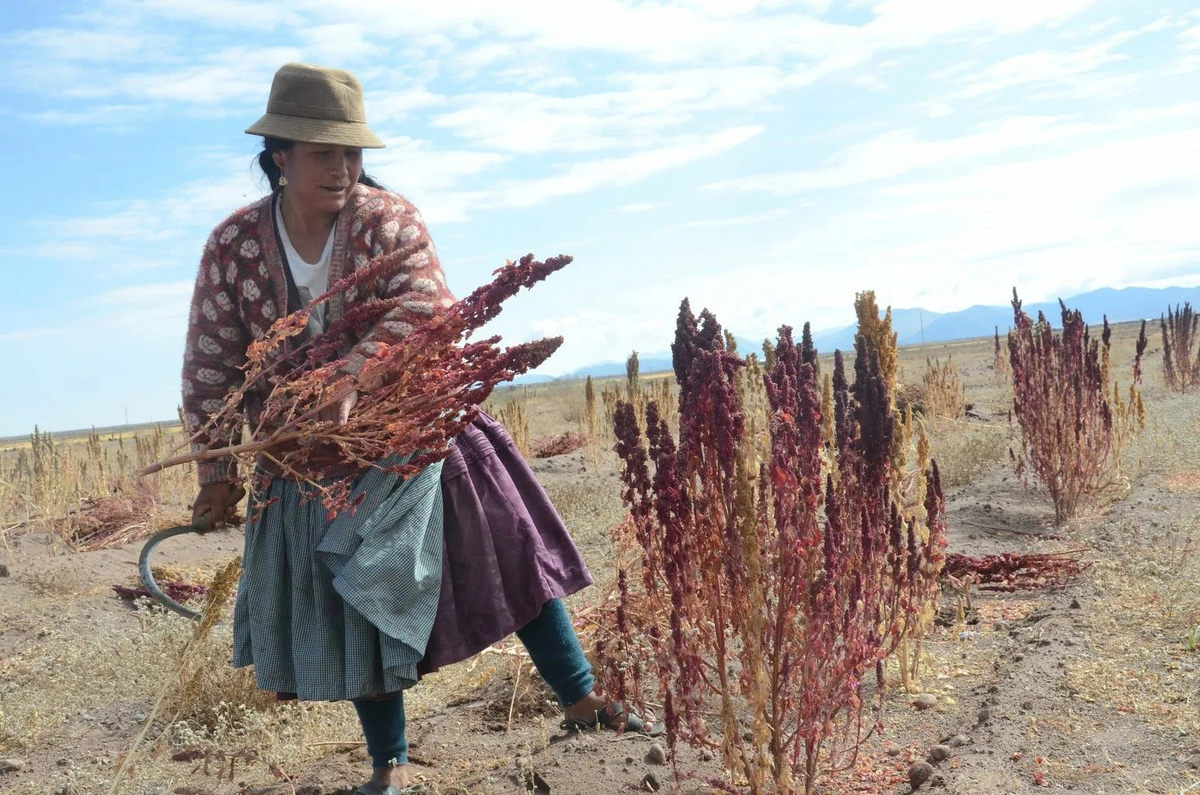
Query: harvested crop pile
column 178, row 590
column 182, row 585
column 1014, row 571
column 112, row 521
column 561, row 444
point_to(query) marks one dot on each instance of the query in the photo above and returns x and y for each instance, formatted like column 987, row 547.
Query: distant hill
column 1129, row 303
column 917, row 326
column 907, row 323
column 646, row 364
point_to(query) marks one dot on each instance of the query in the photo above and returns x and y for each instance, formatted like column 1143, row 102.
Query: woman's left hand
column 339, row 413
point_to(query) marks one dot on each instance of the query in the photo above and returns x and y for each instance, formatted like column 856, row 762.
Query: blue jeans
column 554, row 648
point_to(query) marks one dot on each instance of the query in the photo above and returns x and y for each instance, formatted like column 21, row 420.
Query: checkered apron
column 343, row 609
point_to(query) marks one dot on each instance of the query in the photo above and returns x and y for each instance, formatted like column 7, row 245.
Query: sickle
column 148, row 577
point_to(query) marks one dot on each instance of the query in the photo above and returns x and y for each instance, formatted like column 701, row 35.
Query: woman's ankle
column 393, row 775
column 586, row 707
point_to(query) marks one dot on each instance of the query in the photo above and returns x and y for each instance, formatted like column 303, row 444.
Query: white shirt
column 312, row 278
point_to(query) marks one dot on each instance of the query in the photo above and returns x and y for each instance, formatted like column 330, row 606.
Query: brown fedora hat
column 316, row 105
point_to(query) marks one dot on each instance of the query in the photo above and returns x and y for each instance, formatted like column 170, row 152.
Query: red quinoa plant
column 1072, row 422
column 414, row 395
column 777, row 587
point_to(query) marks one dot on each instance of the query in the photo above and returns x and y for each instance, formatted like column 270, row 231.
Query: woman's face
column 320, row 176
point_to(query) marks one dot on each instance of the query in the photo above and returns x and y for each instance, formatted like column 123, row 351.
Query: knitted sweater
column 241, row 290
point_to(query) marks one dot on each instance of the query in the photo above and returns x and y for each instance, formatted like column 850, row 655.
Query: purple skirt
column 507, row 551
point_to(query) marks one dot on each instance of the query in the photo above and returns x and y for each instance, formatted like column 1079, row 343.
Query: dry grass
column 512, row 417
column 945, row 394
column 85, row 489
column 1146, row 577
column 966, row 451
column 1147, row 662
column 69, row 682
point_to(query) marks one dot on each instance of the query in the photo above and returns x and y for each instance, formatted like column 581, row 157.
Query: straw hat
column 317, row 105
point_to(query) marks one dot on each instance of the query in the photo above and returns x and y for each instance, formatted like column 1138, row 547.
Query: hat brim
column 316, row 131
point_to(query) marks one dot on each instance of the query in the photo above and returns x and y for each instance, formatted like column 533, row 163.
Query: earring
column 282, row 180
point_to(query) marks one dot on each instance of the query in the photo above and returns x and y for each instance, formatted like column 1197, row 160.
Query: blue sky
column 767, row 159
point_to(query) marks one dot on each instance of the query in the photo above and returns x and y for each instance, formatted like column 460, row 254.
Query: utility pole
column 921, row 314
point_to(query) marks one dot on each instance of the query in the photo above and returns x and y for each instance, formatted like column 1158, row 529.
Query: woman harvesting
column 426, row 570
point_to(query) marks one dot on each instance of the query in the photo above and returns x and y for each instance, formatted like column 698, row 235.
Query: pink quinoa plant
column 1071, row 420
column 770, row 591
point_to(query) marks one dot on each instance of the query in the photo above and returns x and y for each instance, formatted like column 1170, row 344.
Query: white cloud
column 109, row 117
column 100, row 257
column 1162, row 23
column 141, row 238
column 429, row 176
column 110, row 43
column 953, row 70
column 1094, row 216
column 236, row 73
column 152, row 314
column 613, row 320
column 141, row 295
column 697, row 33
column 899, row 152
column 1086, row 71
column 391, row 105
column 338, row 43
column 871, row 82
column 24, row 335
column 243, row 15
column 619, row 171
column 197, row 205
column 1036, row 68
column 522, row 42
column 918, row 21
column 737, row 220
column 638, row 207
column 421, row 167
column 650, row 106
column 1072, row 34
column 939, row 110
column 147, row 313
column 597, row 333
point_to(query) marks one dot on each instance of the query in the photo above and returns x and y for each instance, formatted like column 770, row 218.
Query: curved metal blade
column 147, row 576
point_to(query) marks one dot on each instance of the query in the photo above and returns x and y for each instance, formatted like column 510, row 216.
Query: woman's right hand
column 215, row 504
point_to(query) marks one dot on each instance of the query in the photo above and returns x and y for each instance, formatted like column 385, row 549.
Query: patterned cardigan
column 241, row 290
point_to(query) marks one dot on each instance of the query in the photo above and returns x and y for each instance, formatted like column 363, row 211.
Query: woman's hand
column 215, row 505
column 338, row 413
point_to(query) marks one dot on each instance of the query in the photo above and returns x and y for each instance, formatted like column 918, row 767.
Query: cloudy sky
column 765, row 158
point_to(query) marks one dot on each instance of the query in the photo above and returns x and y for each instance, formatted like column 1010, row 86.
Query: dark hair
column 266, row 162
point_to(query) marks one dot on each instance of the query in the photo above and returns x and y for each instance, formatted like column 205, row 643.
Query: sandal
column 613, row 717
column 375, row 789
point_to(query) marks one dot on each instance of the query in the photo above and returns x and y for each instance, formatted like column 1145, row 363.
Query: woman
column 429, row 570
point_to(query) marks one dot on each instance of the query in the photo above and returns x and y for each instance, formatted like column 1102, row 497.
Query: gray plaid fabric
column 342, row 609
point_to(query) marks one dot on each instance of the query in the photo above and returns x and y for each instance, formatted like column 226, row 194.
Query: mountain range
column 918, row 326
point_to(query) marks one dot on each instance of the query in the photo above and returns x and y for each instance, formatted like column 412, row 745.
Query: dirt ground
column 1094, row 688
